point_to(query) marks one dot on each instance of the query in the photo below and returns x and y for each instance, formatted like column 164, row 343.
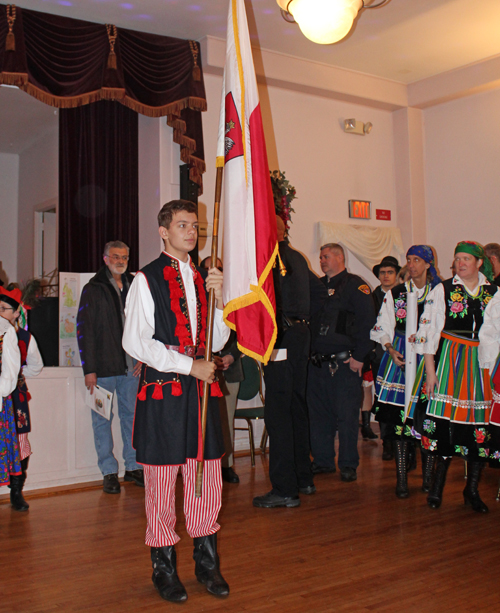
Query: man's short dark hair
column 174, row 206
column 492, row 249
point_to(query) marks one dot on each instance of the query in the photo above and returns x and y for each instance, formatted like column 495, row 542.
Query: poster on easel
column 71, row 285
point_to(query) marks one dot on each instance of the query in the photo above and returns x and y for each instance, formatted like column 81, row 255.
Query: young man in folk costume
column 11, row 299
column 165, row 328
column 390, row 332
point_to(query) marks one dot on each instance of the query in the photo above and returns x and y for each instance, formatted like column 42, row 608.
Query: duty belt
column 190, row 350
column 293, row 321
column 332, row 358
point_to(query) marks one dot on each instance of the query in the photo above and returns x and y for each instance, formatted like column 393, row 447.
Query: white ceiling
column 405, row 41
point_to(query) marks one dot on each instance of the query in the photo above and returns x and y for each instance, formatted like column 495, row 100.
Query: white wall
column 462, row 169
column 38, row 182
column 9, row 183
column 305, row 138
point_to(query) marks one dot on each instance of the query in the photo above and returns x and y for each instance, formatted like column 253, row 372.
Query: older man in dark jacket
column 105, row 364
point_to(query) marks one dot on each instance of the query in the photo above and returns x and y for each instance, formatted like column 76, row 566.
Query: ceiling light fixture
column 324, row 21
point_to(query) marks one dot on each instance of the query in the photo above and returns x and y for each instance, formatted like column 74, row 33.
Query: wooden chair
column 250, row 387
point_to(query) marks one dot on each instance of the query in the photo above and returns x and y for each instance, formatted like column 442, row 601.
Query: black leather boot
column 387, row 450
column 207, row 565
column 366, row 432
column 165, row 578
column 401, row 455
column 411, row 463
column 471, row 495
column 428, row 463
column 436, row 492
column 17, row 500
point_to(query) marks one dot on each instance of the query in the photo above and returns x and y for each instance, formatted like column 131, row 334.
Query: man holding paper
column 100, row 322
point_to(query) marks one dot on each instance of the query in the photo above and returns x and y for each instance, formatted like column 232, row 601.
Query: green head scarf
column 477, row 251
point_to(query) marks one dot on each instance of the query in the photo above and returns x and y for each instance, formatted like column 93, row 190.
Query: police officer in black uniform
column 340, row 343
column 298, row 294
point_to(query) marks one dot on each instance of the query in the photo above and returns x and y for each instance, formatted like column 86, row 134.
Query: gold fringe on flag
column 10, row 39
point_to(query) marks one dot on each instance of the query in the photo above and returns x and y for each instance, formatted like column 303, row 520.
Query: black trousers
column 286, row 415
column 334, row 405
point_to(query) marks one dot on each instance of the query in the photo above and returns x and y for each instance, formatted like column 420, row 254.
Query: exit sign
column 359, row 209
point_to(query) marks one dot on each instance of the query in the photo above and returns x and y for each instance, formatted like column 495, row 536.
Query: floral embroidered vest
column 464, row 312
column 399, row 297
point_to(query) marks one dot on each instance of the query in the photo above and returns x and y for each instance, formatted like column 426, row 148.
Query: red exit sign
column 359, row 209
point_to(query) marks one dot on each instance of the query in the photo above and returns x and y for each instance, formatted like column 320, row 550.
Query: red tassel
column 142, row 394
column 28, row 396
column 176, row 388
column 158, row 392
column 215, row 390
column 21, row 397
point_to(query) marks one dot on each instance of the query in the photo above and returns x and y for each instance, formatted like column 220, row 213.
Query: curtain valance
column 68, row 62
column 369, row 244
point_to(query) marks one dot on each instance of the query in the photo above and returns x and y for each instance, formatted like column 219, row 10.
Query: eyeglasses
column 3, row 309
column 118, row 258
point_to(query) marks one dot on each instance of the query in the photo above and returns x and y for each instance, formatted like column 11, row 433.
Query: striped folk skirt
column 456, row 415
column 389, row 405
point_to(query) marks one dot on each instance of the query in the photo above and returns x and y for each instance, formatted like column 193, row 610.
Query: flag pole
column 210, row 329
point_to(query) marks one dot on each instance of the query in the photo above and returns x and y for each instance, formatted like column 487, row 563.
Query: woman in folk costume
column 489, row 359
column 11, row 299
column 390, row 332
column 457, row 393
column 10, row 363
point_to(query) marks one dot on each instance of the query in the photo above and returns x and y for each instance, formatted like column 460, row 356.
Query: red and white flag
column 250, row 240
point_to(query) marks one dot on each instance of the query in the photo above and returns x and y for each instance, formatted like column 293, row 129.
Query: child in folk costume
column 10, row 363
column 165, row 329
column 390, row 332
column 457, row 394
column 11, row 299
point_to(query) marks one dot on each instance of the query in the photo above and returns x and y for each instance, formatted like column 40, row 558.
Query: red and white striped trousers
column 200, row 513
column 24, row 446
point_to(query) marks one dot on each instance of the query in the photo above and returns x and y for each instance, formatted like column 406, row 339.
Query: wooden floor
column 350, row 547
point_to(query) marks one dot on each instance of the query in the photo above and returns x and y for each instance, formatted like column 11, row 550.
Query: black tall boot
column 436, row 492
column 428, row 463
column 471, row 495
column 165, row 578
column 411, row 463
column 401, row 455
column 366, row 431
column 207, row 565
column 17, row 500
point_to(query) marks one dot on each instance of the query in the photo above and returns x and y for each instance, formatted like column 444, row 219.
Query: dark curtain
column 98, row 184
column 68, row 63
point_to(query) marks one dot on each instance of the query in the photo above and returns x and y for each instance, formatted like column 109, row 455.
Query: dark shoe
column 271, row 501
column 439, row 479
column 471, row 495
column 366, row 431
column 110, row 484
column 207, row 565
column 348, row 474
column 137, row 476
column 428, row 463
column 318, row 470
column 229, row 475
column 387, row 450
column 16, row 493
column 310, row 489
column 165, row 578
column 401, row 455
column 411, row 463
